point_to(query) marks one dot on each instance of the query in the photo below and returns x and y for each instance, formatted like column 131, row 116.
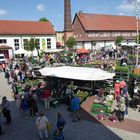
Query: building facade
column 16, row 33
column 103, row 29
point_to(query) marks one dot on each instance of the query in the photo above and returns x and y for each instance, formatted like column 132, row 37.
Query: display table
column 136, row 71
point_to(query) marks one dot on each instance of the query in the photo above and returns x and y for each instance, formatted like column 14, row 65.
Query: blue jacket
column 75, row 104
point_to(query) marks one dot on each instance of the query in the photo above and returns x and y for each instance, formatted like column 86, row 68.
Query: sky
column 33, row 10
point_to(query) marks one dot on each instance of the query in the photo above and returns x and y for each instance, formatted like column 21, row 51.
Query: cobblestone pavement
column 24, row 129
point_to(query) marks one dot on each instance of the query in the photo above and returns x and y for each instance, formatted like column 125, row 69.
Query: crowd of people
column 29, row 99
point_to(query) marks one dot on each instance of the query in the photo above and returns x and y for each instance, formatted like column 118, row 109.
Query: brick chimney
column 67, row 20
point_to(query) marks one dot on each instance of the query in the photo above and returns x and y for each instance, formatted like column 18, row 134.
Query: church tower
column 67, row 20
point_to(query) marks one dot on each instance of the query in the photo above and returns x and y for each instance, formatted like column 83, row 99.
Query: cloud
column 128, row 7
column 40, row 7
column 121, row 14
column 3, row 12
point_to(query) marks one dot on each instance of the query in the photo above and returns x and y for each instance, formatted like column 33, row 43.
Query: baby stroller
column 58, row 135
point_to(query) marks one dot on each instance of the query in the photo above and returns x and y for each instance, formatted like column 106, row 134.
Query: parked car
column 2, row 58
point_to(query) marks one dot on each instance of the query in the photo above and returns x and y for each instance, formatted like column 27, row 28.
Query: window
column 48, row 43
column 3, row 41
column 25, row 42
column 16, row 41
column 38, row 43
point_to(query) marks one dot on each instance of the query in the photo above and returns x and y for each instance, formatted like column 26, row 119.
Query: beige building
column 59, row 38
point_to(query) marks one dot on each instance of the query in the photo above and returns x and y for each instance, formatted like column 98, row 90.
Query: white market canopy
column 77, row 73
column 21, row 51
column 53, row 50
column 128, row 44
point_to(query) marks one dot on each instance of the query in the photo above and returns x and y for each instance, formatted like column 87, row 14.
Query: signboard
column 43, row 45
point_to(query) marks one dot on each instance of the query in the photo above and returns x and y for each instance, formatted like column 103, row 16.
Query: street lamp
column 135, row 2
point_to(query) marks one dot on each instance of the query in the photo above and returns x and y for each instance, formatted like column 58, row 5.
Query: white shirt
column 41, row 122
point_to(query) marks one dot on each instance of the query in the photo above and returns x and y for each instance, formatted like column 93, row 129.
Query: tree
column 93, row 43
column 43, row 19
column 118, row 40
column 31, row 45
column 71, row 42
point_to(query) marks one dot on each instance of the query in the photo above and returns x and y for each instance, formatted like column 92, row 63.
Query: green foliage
column 31, row 45
column 118, row 40
column 122, row 69
column 93, row 43
column 130, row 56
column 138, row 38
column 42, row 53
column 134, row 75
column 71, row 42
column 43, row 19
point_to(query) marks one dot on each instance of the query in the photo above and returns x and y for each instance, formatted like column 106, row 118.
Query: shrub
column 122, row 69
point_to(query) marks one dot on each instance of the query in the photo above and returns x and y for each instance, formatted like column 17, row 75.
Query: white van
column 2, row 58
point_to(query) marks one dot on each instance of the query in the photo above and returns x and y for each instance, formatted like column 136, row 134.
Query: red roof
column 98, row 22
column 8, row 27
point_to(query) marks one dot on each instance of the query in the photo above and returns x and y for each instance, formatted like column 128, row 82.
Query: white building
column 16, row 33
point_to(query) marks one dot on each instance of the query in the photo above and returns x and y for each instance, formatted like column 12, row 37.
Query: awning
column 129, row 44
column 21, row 51
column 5, row 47
column 82, row 51
column 54, row 50
column 77, row 73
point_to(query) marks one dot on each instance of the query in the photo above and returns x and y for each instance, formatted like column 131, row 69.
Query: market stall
column 77, row 73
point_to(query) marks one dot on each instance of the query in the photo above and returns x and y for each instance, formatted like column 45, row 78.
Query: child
column 121, row 108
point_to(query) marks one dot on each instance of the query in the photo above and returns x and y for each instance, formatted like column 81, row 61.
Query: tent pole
column 92, row 87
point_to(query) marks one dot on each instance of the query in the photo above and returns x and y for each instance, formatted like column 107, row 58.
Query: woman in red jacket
column 46, row 97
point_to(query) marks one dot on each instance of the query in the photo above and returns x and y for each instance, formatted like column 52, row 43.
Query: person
column 14, row 88
column 117, row 90
column 32, row 106
column 6, row 110
column 7, row 75
column 46, row 97
column 101, row 93
column 24, row 108
column 75, row 106
column 121, row 108
column 124, row 91
column 18, row 100
column 1, row 132
column 68, row 95
column 41, row 125
column 60, row 121
column 126, row 105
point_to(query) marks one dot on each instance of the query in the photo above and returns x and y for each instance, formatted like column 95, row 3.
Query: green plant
column 134, row 75
column 122, row 69
column 71, row 42
column 118, row 40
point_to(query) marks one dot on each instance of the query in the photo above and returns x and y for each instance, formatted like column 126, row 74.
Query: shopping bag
column 48, row 125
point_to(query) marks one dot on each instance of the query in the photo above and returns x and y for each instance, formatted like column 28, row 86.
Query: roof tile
column 8, row 27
